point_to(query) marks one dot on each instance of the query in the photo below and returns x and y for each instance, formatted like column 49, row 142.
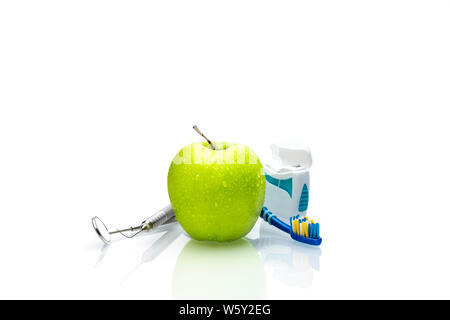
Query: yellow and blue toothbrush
column 300, row 229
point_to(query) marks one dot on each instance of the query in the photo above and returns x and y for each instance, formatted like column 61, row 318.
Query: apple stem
column 201, row 133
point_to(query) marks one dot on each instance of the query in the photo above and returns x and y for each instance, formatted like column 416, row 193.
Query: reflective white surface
column 205, row 270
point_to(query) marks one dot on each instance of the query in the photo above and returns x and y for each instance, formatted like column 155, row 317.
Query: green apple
column 217, row 194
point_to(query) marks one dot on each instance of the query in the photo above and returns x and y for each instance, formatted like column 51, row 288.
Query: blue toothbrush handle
column 274, row 221
column 280, row 224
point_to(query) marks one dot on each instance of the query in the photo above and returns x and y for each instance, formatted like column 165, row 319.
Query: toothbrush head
column 301, row 229
column 304, row 230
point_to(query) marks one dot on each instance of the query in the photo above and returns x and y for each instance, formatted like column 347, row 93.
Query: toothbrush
column 300, row 229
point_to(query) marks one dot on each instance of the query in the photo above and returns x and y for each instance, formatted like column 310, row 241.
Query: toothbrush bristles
column 304, row 227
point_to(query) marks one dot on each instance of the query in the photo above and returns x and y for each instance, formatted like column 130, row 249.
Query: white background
column 96, row 97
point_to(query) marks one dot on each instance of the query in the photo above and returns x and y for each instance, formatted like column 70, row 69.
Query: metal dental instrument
column 164, row 216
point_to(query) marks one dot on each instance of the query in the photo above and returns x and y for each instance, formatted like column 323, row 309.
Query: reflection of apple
column 228, row 270
column 216, row 194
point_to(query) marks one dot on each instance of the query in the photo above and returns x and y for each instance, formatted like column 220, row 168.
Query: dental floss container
column 287, row 179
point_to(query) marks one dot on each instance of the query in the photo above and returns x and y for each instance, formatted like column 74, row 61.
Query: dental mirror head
column 101, row 229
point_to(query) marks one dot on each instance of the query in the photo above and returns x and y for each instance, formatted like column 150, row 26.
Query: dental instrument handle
column 158, row 218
